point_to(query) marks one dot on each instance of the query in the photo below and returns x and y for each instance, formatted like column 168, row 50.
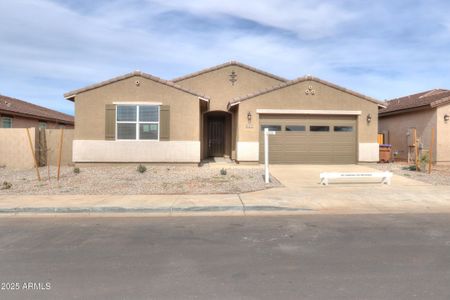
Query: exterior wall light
column 369, row 118
column 446, row 118
column 249, row 116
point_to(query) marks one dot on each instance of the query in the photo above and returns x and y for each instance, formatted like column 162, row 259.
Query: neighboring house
column 221, row 112
column 422, row 111
column 15, row 113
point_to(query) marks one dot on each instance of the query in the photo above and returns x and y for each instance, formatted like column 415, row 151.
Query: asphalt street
column 302, row 257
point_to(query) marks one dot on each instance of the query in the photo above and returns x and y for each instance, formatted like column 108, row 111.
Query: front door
column 216, row 137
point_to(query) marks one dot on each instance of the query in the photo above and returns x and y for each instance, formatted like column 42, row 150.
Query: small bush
column 424, row 158
column 223, row 172
column 76, row 170
column 6, row 185
column 142, row 169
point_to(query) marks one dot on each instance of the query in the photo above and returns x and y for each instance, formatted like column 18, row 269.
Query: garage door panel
column 293, row 145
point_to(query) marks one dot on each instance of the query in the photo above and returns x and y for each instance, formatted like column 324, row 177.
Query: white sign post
column 266, row 153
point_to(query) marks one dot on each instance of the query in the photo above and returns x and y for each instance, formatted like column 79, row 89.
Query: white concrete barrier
column 354, row 176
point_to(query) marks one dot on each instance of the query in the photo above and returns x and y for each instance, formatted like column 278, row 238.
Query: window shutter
column 164, row 123
column 110, row 122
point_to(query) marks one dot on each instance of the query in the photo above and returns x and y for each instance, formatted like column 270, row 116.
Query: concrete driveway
column 303, row 190
column 295, row 176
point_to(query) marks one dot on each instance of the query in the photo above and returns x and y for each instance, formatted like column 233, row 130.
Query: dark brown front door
column 216, row 137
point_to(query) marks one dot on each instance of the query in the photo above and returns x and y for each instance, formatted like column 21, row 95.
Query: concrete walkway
column 301, row 194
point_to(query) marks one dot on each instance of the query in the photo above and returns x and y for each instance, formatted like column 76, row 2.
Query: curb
column 116, row 209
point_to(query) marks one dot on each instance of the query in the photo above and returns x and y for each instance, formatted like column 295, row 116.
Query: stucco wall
column 395, row 127
column 15, row 148
column 325, row 98
column 90, row 107
column 216, row 85
column 53, row 137
column 443, row 134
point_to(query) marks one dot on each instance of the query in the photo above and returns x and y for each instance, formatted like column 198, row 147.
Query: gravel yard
column 440, row 175
column 126, row 180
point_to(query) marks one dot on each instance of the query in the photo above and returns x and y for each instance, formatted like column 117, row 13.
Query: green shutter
column 110, row 122
column 164, row 123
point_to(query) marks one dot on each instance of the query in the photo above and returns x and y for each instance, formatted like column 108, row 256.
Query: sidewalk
column 277, row 201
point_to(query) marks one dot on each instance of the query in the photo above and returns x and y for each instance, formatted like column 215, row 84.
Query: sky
column 383, row 49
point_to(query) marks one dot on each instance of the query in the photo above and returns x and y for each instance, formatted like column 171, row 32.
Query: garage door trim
column 308, row 112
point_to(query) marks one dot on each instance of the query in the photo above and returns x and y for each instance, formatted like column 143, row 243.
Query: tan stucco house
column 422, row 111
column 221, row 112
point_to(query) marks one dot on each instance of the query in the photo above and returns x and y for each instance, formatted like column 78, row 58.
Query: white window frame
column 137, row 122
column 11, row 121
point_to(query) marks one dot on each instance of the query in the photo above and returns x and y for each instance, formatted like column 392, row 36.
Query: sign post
column 266, row 153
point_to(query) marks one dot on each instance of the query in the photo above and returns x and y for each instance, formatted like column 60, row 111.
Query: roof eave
column 72, row 94
column 309, row 78
column 404, row 110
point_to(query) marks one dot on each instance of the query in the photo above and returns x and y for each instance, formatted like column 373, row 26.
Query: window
column 6, row 122
column 343, row 128
column 271, row 127
column 319, row 128
column 295, row 128
column 137, row 122
column 42, row 125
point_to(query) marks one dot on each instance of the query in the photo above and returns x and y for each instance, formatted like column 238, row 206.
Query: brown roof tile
column 230, row 63
column 15, row 106
column 301, row 79
column 427, row 99
column 72, row 94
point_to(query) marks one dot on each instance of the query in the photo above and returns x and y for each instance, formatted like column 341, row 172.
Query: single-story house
column 15, row 113
column 222, row 112
column 422, row 111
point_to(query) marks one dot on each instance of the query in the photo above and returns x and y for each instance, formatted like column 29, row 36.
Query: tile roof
column 427, row 99
column 298, row 80
column 18, row 107
column 227, row 64
column 72, row 94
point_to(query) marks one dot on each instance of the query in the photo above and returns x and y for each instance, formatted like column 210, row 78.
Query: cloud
column 381, row 48
column 309, row 19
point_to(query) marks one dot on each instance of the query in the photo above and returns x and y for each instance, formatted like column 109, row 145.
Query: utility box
column 385, row 153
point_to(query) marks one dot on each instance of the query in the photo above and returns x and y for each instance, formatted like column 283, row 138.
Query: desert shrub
column 142, row 169
column 6, row 185
column 424, row 158
column 76, row 170
column 223, row 172
column 412, row 168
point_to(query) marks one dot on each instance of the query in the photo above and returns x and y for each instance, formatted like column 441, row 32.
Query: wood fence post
column 33, row 154
column 430, row 163
column 60, row 151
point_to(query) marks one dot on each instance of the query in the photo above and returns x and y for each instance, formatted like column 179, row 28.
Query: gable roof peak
column 227, row 64
column 70, row 95
column 301, row 79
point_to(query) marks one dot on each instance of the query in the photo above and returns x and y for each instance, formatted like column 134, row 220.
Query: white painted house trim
column 137, row 103
column 308, row 112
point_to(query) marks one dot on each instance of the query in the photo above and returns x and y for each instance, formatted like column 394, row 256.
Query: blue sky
column 383, row 49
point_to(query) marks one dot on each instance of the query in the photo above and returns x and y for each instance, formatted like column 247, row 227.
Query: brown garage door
column 309, row 139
